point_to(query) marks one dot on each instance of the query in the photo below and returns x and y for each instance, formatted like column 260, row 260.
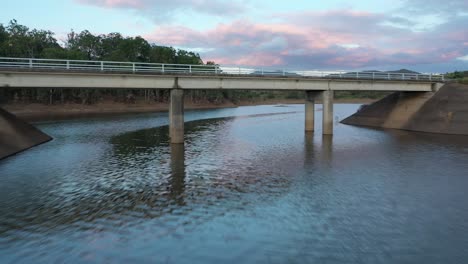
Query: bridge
column 47, row 73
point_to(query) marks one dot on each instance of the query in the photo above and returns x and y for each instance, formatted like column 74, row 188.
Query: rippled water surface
column 249, row 187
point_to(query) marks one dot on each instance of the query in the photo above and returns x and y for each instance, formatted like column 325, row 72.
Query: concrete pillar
column 176, row 116
column 309, row 111
column 327, row 112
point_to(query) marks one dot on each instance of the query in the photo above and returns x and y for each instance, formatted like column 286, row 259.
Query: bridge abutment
column 17, row 135
column 176, row 116
column 327, row 120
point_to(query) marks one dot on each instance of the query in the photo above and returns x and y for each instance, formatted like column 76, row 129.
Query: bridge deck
column 59, row 78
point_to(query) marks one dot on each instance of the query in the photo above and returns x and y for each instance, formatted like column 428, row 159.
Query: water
column 249, row 187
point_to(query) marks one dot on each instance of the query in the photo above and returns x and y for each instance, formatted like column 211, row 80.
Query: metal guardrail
column 141, row 67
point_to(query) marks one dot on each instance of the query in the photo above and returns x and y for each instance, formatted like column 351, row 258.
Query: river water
column 249, row 187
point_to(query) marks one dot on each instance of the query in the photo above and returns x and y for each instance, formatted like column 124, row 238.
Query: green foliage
column 19, row 41
column 454, row 75
column 459, row 76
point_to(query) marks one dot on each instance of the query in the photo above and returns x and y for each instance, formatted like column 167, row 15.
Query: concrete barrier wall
column 444, row 111
column 188, row 82
column 17, row 135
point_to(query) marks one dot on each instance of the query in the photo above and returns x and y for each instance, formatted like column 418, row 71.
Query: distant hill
column 372, row 74
column 404, row 71
column 274, row 72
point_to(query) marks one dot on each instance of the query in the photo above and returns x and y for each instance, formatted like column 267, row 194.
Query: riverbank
column 41, row 112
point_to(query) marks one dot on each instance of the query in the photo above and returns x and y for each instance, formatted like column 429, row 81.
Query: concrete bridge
column 42, row 73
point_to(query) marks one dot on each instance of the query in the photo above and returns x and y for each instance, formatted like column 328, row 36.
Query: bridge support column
column 176, row 116
column 327, row 98
column 309, row 111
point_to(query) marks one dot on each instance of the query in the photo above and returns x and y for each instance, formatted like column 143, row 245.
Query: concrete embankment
column 444, row 111
column 17, row 135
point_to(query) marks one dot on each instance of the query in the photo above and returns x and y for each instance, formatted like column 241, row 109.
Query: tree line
column 20, row 41
column 458, row 76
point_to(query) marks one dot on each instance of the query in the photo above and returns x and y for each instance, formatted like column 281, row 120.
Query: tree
column 161, row 54
column 18, row 40
column 3, row 40
column 188, row 57
column 110, row 46
column 86, row 43
column 39, row 40
column 135, row 49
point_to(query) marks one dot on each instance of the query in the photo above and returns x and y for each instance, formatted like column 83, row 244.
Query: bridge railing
column 141, row 67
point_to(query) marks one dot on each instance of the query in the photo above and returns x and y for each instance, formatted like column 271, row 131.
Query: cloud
column 338, row 39
column 420, row 32
column 436, row 7
column 162, row 9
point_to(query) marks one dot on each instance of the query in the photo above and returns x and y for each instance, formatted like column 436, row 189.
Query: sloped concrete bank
column 17, row 135
column 444, row 111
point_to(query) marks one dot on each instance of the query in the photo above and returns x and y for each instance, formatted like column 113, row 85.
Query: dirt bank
column 41, row 112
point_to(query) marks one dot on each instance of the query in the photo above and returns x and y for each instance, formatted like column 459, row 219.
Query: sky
column 422, row 35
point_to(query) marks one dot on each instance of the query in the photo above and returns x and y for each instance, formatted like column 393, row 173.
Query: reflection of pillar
column 308, row 149
column 177, row 171
column 309, row 110
column 176, row 116
column 327, row 112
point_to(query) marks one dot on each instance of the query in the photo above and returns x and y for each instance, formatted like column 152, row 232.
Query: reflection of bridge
column 42, row 73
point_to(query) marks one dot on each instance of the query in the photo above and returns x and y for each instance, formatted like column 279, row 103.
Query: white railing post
column 357, row 75
column 263, row 73
column 68, row 64
column 402, row 76
column 239, row 70
column 417, row 76
column 388, row 76
column 102, row 66
column 373, row 75
column 190, row 68
column 30, row 63
column 162, row 67
column 430, row 77
column 133, row 67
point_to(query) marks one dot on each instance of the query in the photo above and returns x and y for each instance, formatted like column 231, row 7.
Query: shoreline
column 44, row 113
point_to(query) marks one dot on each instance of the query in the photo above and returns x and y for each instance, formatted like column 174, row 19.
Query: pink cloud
column 137, row 4
column 162, row 9
column 319, row 40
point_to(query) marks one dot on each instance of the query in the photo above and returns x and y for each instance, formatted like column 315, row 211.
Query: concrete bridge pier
column 176, row 116
column 327, row 99
column 310, row 110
